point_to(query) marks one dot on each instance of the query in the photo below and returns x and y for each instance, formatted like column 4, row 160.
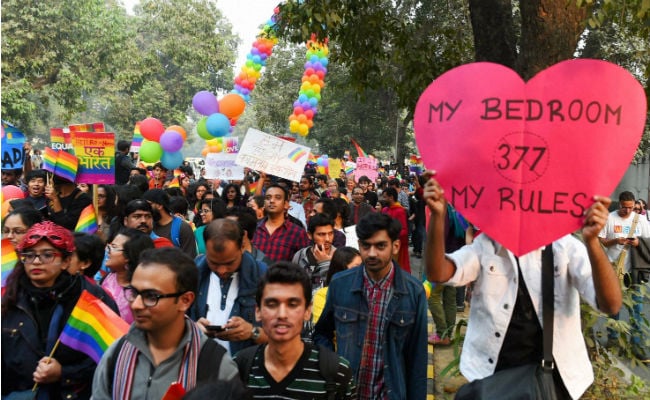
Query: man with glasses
column 163, row 346
column 228, row 279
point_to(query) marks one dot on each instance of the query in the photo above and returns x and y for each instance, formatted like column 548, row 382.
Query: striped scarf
column 128, row 358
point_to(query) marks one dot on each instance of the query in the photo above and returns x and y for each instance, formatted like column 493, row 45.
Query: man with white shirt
column 228, row 279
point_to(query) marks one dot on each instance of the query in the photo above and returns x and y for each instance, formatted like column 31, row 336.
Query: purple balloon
column 171, row 141
column 205, row 103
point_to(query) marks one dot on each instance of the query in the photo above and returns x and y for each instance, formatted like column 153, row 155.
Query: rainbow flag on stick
column 66, row 166
column 49, row 159
column 359, row 149
column 92, row 327
column 9, row 259
column 87, row 221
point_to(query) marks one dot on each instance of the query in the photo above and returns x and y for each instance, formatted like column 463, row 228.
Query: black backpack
column 328, row 363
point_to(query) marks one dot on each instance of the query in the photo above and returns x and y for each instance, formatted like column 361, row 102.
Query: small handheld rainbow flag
column 9, row 259
column 92, row 327
column 87, row 221
column 66, row 166
column 49, row 159
column 136, row 142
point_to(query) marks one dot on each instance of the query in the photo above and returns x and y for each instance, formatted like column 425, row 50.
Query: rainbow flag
column 49, row 159
column 136, row 143
column 9, row 259
column 66, row 166
column 88, row 127
column 87, row 221
column 359, row 149
column 92, row 327
column 174, row 183
column 296, row 154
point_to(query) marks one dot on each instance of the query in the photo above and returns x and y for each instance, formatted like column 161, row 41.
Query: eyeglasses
column 15, row 232
column 204, row 211
column 46, row 257
column 149, row 297
column 110, row 248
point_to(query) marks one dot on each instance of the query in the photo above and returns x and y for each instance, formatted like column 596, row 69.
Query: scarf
column 127, row 360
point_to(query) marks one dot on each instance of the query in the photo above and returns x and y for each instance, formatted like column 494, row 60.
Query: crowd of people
column 268, row 287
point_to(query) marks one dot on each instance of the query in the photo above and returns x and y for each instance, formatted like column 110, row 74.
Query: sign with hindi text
column 96, row 154
column 366, row 166
column 272, row 155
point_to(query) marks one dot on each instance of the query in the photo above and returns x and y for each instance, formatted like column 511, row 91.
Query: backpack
column 206, row 371
column 175, row 233
column 328, row 364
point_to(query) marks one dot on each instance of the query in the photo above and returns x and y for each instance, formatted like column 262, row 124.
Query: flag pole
column 56, row 345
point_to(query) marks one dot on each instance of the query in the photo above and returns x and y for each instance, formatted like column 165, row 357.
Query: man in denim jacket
column 378, row 313
column 228, row 278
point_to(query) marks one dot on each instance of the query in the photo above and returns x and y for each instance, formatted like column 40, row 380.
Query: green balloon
column 150, row 151
column 202, row 130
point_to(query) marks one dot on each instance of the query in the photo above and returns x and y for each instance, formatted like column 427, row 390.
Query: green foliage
column 609, row 379
column 87, row 60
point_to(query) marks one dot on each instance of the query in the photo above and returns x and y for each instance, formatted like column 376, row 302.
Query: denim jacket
column 250, row 273
column 405, row 337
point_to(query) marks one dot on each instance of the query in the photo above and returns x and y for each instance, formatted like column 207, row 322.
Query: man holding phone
column 228, row 278
column 620, row 236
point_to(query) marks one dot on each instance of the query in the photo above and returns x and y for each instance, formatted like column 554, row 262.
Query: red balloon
column 298, row 110
column 309, row 71
column 309, row 114
column 320, row 74
column 151, row 129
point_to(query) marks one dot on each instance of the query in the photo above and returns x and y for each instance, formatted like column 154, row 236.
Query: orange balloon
column 232, row 105
column 178, row 129
column 204, row 152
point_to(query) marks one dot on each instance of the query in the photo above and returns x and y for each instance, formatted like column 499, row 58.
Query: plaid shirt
column 285, row 241
column 371, row 371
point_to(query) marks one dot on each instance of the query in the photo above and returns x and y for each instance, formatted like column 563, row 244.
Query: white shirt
column 215, row 314
column 617, row 227
column 494, row 269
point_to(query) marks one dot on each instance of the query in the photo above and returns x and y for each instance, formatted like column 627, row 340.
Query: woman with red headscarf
column 39, row 297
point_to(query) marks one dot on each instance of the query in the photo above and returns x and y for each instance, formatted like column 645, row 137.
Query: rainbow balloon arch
column 220, row 116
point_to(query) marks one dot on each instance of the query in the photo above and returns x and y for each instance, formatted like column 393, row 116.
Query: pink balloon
column 11, row 192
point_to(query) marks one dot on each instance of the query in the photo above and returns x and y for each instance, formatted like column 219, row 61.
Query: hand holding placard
column 522, row 160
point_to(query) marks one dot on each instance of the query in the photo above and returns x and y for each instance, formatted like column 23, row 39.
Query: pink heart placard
column 523, row 160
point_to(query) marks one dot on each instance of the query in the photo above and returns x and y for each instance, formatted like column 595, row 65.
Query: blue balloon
column 218, row 125
column 302, row 98
column 172, row 160
column 324, row 61
column 313, row 101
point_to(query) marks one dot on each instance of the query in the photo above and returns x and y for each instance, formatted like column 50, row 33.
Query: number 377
column 511, row 157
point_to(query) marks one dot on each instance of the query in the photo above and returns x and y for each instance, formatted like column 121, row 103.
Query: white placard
column 272, row 155
column 223, row 166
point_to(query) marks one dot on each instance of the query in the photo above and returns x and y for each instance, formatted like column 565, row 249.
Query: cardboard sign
column 96, row 154
column 335, row 168
column 366, row 166
column 13, row 140
column 523, row 160
column 270, row 154
column 223, row 166
column 60, row 139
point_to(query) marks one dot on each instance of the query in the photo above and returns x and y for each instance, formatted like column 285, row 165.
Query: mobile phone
column 215, row 328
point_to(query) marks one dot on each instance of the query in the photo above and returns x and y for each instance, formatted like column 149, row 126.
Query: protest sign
column 523, row 160
column 223, row 166
column 270, row 154
column 96, row 154
column 13, row 140
column 60, row 139
column 366, row 166
column 335, row 168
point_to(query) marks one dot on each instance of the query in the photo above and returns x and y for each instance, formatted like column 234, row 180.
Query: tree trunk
column 494, row 35
column 550, row 30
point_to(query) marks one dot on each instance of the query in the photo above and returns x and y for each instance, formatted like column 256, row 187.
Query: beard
column 156, row 215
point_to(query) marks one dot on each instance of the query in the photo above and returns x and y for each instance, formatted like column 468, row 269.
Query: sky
column 245, row 16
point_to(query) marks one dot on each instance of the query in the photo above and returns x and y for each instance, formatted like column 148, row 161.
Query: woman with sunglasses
column 39, row 298
column 209, row 210
column 123, row 255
